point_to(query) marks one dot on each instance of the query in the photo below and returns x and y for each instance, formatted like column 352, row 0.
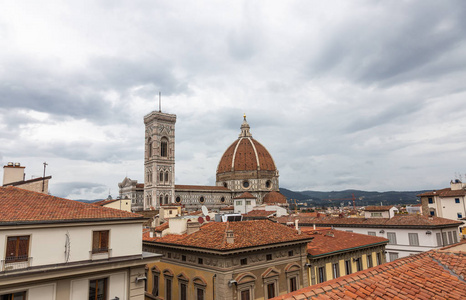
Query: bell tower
column 159, row 159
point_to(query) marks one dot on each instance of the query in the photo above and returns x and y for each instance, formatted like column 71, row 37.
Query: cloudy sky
column 365, row 95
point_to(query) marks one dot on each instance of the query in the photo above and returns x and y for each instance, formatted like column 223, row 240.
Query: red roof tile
column 104, row 202
column 428, row 275
column 245, row 195
column 246, row 234
column 327, row 240
column 274, row 197
column 19, row 205
column 259, row 213
column 446, row 192
column 378, row 208
column 397, row 220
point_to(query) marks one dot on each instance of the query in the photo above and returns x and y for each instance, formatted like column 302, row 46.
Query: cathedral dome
column 245, row 155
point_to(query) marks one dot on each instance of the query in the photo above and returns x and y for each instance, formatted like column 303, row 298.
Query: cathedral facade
column 245, row 166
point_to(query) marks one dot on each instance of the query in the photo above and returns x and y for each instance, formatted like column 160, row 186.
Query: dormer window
column 164, row 147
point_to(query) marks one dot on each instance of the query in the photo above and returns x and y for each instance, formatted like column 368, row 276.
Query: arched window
column 161, row 199
column 149, row 143
column 164, row 147
column 161, row 176
column 166, row 176
column 166, row 199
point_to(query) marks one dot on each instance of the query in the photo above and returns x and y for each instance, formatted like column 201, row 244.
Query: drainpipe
column 213, row 286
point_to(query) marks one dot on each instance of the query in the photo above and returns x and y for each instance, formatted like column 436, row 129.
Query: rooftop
column 246, row 234
column 23, row 206
column 400, row 220
column 245, row 195
column 447, row 192
column 378, row 208
column 436, row 274
column 327, row 241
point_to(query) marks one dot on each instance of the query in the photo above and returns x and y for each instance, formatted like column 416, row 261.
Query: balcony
column 15, row 263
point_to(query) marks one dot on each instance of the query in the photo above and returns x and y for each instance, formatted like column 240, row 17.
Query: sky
column 364, row 95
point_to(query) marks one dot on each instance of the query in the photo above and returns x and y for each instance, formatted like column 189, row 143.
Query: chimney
column 152, row 231
column 13, row 172
column 314, row 226
column 192, row 227
column 230, row 236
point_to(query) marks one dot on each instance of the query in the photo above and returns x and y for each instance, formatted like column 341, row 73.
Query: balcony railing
column 15, row 263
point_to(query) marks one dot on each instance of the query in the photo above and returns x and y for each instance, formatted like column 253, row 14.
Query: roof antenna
column 160, row 102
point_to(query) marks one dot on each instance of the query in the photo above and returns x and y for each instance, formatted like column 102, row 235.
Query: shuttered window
column 391, row 238
column 100, row 241
column 413, row 239
column 17, row 249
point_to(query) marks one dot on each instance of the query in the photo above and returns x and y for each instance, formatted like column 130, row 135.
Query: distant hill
column 362, row 197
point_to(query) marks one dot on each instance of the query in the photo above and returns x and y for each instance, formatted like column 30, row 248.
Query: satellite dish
column 200, row 220
column 205, row 211
column 207, row 218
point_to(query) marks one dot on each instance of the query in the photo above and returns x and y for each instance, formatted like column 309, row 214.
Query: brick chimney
column 230, row 236
column 13, row 172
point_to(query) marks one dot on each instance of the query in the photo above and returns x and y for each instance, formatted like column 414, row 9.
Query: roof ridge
column 445, row 267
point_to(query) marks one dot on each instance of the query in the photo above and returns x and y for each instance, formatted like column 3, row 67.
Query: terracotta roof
column 231, row 207
column 104, row 202
column 260, row 213
column 140, row 185
column 19, row 206
column 428, row 275
column 447, row 192
column 162, row 227
column 201, row 188
column 245, row 195
column 408, row 220
column 328, row 240
column 378, row 208
column 274, row 197
column 246, row 234
column 241, row 156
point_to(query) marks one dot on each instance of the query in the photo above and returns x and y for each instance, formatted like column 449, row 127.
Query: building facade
column 59, row 249
column 228, row 260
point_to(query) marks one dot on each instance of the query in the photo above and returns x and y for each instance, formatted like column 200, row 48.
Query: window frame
column 348, row 267
column 391, row 236
column 430, row 200
column 106, row 285
column 100, row 248
column 457, row 200
column 321, row 274
column 336, row 270
column 16, row 294
column 370, row 262
column 413, row 238
column 164, row 147
column 17, row 248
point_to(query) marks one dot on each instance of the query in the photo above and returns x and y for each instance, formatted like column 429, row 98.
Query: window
column 393, row 256
column 183, row 257
column 200, row 261
column 155, row 284
column 149, row 143
column 322, row 276
column 268, row 184
column 222, row 199
column 432, row 213
column 178, row 199
column 376, row 215
column 450, row 238
column 14, row 296
column 359, row 264
column 98, row 289
column 373, row 233
column 413, row 239
column 200, row 294
column 161, row 199
column 248, row 202
column 245, row 295
column 431, row 200
column 166, row 199
column 348, row 268
column 183, row 291
column 379, row 258
column 168, row 288
column 100, row 241
column 439, row 239
column 245, row 184
column 444, row 239
column 161, row 176
column 369, row 261
column 244, row 261
column 391, row 238
column 202, row 199
column 271, row 290
column 293, row 284
column 290, row 253
column 166, row 176
column 268, row 257
column 336, row 270
column 457, row 200
column 239, row 203
column 164, row 147
column 17, row 249
column 460, row 215
column 455, row 237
